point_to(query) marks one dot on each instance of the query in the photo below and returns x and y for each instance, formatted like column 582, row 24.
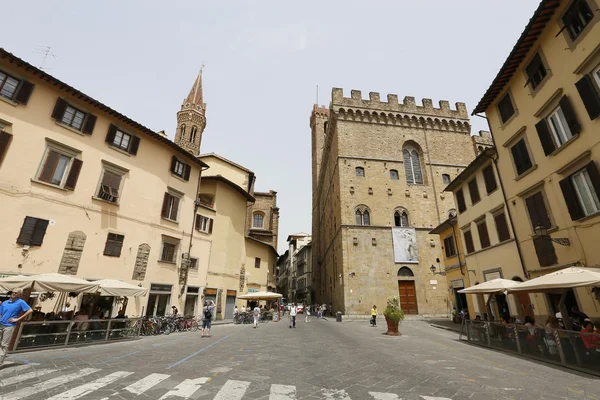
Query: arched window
column 258, row 220
column 360, row 171
column 405, row 271
column 325, row 127
column 366, row 218
column 193, row 134
column 362, row 216
column 182, row 131
column 401, row 218
column 358, row 215
column 412, row 165
column 446, row 179
column 393, row 174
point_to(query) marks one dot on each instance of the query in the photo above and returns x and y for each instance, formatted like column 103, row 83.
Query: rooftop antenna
column 45, row 51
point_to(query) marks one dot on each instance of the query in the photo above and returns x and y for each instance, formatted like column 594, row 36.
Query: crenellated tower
column 191, row 120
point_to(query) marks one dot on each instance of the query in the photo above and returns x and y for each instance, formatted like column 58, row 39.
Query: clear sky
column 264, row 60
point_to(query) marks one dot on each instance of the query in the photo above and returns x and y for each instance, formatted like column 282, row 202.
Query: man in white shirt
column 293, row 313
column 256, row 315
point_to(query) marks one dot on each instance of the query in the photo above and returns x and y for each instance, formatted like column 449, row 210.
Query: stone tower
column 191, row 120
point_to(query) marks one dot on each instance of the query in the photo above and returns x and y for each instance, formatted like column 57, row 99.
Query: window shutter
column 39, row 232
column 592, row 170
column 109, row 245
column 469, row 241
column 73, row 174
column 165, row 206
column 570, row 115
column 59, row 109
column 110, row 136
column 545, row 251
column 49, row 166
column 175, row 207
column 135, row 144
column 186, row 172
column 26, row 231
column 5, row 139
column 489, row 179
column 210, row 225
column 589, row 96
column 502, row 227
column 573, row 205
column 118, row 245
column 24, row 92
column 198, row 221
column 545, row 137
column 474, row 191
column 484, row 237
column 460, row 199
column 173, row 163
column 90, row 123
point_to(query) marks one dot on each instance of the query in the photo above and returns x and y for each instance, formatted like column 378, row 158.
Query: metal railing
column 41, row 334
column 573, row 349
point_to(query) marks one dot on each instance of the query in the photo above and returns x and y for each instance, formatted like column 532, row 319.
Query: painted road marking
column 43, row 386
column 335, row 394
column 11, row 370
column 196, row 353
column 27, row 376
column 146, row 383
column 434, row 398
column 384, row 396
column 232, row 390
column 282, row 392
column 186, row 388
column 90, row 387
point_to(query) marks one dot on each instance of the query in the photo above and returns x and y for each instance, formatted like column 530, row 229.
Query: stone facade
column 191, row 120
column 69, row 264
column 265, row 205
column 382, row 160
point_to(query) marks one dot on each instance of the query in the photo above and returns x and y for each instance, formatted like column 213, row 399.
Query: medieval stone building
column 379, row 170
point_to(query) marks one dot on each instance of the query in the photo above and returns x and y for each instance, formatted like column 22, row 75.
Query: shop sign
column 195, row 290
column 157, row 287
column 231, row 293
column 458, row 284
column 209, row 291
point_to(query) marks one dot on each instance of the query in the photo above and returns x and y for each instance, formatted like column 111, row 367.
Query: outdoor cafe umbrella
column 260, row 296
column 113, row 287
column 52, row 282
column 567, row 278
column 497, row 285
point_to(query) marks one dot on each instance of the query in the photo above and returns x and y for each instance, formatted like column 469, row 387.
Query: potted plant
column 393, row 315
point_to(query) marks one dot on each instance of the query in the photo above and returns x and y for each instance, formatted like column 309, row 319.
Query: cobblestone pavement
column 317, row 360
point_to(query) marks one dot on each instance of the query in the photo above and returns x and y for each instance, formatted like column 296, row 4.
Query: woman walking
column 374, row 316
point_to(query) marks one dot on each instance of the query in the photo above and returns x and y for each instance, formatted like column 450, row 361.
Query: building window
column 114, row 244
column 258, row 220
column 256, row 262
column 412, row 165
column 73, row 118
column 460, row 200
column 538, row 212
column 362, row 216
column 325, row 127
column 506, row 108
column 168, row 251
column 193, row 134
column 33, row 231
column 469, row 241
column 489, row 179
column 394, row 174
column 193, row 263
column 501, row 226
column 204, row 224
column 581, row 191
column 170, row 206
column 111, row 184
column 577, row 17
column 8, row 86
column 360, row 171
column 445, row 179
column 536, row 71
column 182, row 131
column 5, row 139
column 474, row 191
column 122, row 141
column 587, row 87
column 484, row 237
column 450, row 246
column 521, row 157
column 180, row 169
column 559, row 127
column 401, row 219
column 59, row 166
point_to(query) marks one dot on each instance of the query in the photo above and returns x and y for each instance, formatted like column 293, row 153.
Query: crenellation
column 356, row 95
column 392, row 99
column 444, row 105
column 428, row 104
column 374, row 97
column 410, row 102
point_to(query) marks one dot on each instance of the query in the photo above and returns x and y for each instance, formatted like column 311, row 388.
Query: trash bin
column 338, row 316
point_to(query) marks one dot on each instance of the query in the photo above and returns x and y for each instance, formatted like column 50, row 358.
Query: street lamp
column 434, row 271
column 542, row 231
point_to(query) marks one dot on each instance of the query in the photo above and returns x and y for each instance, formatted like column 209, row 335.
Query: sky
column 263, row 63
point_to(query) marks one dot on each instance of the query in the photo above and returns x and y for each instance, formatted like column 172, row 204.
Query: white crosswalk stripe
column 384, row 396
column 25, row 377
column 90, row 387
column 8, row 370
column 43, row 386
column 335, row 394
column 282, row 392
column 186, row 388
column 146, row 383
column 232, row 390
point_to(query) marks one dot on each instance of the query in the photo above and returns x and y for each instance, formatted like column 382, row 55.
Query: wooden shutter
column 474, row 191
column 135, row 144
column 110, row 136
column 165, row 206
column 186, row 172
column 49, row 166
column 460, row 199
column 545, row 137
column 109, row 245
column 210, row 225
column 469, row 241
column 90, row 123
column 198, row 221
column 589, row 96
column 484, row 237
column 5, row 139
column 175, row 208
column 26, row 231
column 537, row 211
column 592, row 170
column 573, row 205
column 545, row 251
column 118, row 245
column 73, row 174
column 173, row 164
column 570, row 116
column 489, row 179
column 501, row 227
column 24, row 92
column 59, row 109
column 39, row 232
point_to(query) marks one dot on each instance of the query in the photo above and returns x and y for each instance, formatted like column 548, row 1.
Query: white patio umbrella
column 261, row 296
column 497, row 285
column 48, row 283
column 113, row 287
column 567, row 278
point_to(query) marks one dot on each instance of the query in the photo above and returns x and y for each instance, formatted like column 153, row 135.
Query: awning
column 260, row 296
column 48, row 283
column 567, row 278
column 497, row 285
column 113, row 287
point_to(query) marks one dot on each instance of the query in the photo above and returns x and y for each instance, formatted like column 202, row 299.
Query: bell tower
column 191, row 120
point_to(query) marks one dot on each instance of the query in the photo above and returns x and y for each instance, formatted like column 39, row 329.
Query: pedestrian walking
column 293, row 313
column 207, row 315
column 319, row 313
column 256, row 315
column 374, row 316
column 306, row 315
column 10, row 314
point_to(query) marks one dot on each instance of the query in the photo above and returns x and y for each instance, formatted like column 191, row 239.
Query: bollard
column 338, row 316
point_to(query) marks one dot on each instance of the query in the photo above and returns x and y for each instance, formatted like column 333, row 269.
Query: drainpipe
column 510, row 219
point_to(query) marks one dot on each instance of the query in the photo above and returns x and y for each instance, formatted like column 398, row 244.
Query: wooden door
column 408, row 297
column 525, row 304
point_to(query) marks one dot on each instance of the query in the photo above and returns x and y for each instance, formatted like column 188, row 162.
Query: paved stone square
column 317, row 360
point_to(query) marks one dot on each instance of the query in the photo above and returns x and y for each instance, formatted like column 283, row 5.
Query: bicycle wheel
column 193, row 325
column 166, row 329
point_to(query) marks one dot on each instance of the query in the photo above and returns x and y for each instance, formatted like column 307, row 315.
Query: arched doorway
column 407, row 291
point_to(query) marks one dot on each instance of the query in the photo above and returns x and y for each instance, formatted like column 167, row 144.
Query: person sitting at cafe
column 578, row 315
column 588, row 336
column 81, row 316
column 552, row 324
